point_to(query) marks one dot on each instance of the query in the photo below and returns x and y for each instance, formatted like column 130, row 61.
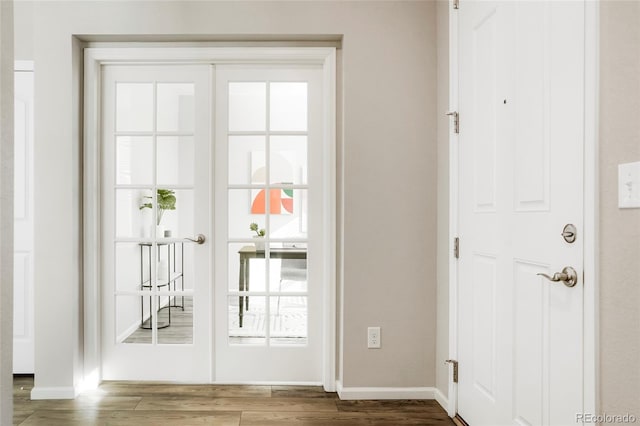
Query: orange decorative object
column 276, row 201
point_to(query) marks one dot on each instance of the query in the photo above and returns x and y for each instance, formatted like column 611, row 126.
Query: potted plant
column 260, row 233
column 166, row 199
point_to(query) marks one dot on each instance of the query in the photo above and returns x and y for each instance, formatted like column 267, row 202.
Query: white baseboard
column 355, row 393
column 54, row 393
column 441, row 399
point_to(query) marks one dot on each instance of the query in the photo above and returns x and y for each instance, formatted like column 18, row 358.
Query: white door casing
column 23, row 306
column 95, row 59
column 520, row 170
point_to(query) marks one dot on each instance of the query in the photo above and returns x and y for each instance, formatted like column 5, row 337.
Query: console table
column 173, row 276
column 249, row 252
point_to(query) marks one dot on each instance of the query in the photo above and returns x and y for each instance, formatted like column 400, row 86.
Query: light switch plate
column 629, row 185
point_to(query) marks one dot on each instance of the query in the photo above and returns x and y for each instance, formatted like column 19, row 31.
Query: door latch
column 569, row 233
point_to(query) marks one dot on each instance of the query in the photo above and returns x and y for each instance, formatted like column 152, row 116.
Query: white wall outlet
column 373, row 337
column 629, row 185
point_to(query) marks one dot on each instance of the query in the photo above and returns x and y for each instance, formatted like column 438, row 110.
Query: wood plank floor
column 141, row 404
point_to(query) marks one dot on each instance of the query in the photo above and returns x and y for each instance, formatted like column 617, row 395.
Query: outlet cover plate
column 629, row 185
column 373, row 337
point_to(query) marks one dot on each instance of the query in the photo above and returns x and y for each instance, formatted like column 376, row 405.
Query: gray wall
column 443, row 254
column 619, row 228
column 387, row 157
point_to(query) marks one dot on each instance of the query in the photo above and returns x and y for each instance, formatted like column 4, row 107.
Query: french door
column 156, row 196
column 269, row 287
column 231, row 307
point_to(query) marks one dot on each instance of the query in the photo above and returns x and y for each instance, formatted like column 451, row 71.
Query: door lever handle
column 568, row 276
column 200, row 239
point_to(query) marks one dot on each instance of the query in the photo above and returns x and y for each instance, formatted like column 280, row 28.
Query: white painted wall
column 6, row 212
column 387, row 160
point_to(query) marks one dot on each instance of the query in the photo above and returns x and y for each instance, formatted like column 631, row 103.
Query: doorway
column 173, row 144
column 522, row 314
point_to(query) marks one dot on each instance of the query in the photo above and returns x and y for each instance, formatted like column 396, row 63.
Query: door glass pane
column 132, row 219
column 288, row 159
column 288, row 106
column 246, row 206
column 133, row 266
column 288, row 217
column 175, row 213
column 247, row 320
column 175, row 160
column 178, row 312
column 247, row 267
column 132, row 314
column 288, row 323
column 247, row 160
column 134, row 160
column 174, row 266
column 288, row 267
column 134, row 107
column 175, row 107
column 247, row 106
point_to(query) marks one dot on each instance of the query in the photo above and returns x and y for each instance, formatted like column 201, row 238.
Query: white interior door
column 156, row 192
column 269, row 162
column 23, row 328
column 521, row 142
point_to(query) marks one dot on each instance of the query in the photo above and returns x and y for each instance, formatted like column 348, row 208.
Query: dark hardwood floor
column 140, row 404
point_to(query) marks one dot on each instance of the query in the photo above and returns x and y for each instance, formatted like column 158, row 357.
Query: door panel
column 156, row 193
column 23, row 296
column 521, row 163
column 269, row 294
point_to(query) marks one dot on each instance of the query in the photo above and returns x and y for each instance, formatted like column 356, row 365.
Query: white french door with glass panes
column 269, row 161
column 155, row 193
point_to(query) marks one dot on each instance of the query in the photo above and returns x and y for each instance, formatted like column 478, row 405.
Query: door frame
column 591, row 215
column 94, row 58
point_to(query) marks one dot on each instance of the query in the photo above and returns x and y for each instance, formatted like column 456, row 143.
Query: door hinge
column 455, row 369
column 456, row 4
column 456, row 121
column 456, row 248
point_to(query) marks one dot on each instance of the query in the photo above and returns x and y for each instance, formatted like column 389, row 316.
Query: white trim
column 265, row 383
column 211, row 55
column 54, row 393
column 358, row 393
column 452, row 405
column 91, row 244
column 591, row 217
column 441, row 399
column 23, row 66
column 591, row 187
column 329, row 215
column 94, row 58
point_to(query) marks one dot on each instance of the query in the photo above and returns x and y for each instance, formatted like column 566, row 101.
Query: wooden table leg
column 246, row 282
column 241, row 287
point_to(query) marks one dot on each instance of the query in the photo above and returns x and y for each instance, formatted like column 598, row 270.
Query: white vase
column 160, row 231
column 259, row 243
